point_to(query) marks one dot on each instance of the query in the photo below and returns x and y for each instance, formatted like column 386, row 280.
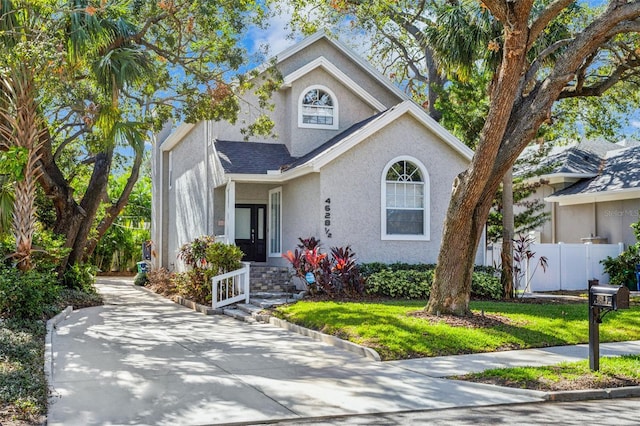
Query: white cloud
column 276, row 36
column 635, row 123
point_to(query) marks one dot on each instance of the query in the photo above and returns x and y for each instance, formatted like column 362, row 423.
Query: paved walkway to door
column 141, row 359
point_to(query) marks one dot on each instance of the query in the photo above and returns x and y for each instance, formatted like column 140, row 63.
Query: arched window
column 405, row 200
column 318, row 108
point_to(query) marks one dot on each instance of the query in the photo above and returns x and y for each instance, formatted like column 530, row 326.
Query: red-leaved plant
column 339, row 275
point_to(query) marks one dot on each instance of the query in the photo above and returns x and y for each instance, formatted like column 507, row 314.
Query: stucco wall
column 575, row 222
column 189, row 205
column 299, row 141
column 353, row 183
column 300, row 202
column 614, row 219
column 611, row 220
column 345, row 64
column 351, row 109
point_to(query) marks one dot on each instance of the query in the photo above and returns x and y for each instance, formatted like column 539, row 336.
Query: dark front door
column 251, row 232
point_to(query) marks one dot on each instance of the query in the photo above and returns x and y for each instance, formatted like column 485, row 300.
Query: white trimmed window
column 405, row 200
column 275, row 222
column 318, row 108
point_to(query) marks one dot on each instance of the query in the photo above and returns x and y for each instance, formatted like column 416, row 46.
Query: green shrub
column 416, row 284
column 29, row 295
column 80, row 276
column 486, row 286
column 622, row 269
column 194, row 286
column 401, row 284
column 222, row 258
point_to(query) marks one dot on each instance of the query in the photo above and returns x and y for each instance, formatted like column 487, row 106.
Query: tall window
column 405, row 199
column 275, row 222
column 318, row 108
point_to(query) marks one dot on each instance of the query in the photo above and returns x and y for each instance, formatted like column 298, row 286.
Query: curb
column 331, row 340
column 48, row 343
column 207, row 310
column 584, row 395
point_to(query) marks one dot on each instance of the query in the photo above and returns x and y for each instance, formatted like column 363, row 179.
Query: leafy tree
column 538, row 55
column 600, row 52
column 106, row 74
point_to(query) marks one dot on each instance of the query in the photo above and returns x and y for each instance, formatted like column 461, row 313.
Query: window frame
column 336, row 109
column 277, row 233
column 426, row 203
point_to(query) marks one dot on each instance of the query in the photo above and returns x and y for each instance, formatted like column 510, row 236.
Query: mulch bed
column 587, row 381
column 483, row 320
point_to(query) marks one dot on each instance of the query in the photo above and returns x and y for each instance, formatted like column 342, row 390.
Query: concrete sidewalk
column 142, row 359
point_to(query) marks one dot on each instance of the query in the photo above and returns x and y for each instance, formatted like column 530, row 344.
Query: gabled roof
column 619, row 179
column 330, row 143
column 576, row 161
column 326, row 65
column 252, row 157
column 347, row 51
column 338, row 145
column 570, row 163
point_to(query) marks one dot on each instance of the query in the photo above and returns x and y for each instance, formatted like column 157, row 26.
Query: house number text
column 327, row 217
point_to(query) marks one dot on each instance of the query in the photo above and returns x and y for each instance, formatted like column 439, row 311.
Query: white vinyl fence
column 570, row 266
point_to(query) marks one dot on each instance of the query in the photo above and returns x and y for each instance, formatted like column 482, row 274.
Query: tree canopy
column 542, row 61
column 106, row 74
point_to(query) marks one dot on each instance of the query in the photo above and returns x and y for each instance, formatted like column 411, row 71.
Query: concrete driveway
column 141, row 359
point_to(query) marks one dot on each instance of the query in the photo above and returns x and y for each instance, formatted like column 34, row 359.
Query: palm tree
column 20, row 127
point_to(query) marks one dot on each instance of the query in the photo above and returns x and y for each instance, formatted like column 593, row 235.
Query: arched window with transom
column 405, row 200
column 318, row 108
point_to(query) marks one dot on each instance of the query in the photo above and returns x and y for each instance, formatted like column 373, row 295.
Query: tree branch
column 622, row 72
column 547, row 15
column 67, row 141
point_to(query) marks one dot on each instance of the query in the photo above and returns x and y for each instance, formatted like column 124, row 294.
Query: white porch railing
column 229, row 288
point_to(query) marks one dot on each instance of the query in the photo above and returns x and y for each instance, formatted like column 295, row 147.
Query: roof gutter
column 599, row 197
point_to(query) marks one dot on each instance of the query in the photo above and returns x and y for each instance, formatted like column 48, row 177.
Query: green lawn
column 387, row 327
column 614, row 372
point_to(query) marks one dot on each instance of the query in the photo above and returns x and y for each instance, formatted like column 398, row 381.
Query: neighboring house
column 356, row 163
column 593, row 193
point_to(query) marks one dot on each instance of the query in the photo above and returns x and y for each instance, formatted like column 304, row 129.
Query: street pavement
column 618, row 412
column 141, row 359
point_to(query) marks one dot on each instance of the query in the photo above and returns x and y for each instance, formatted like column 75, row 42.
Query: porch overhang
column 273, row 176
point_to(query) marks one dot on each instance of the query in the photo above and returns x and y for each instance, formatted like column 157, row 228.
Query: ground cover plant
column 400, row 329
column 614, row 372
column 23, row 385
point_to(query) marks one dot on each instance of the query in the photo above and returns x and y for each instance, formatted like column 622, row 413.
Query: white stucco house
column 356, row 163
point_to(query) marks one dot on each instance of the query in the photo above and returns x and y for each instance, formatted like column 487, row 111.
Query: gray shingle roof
column 619, row 171
column 257, row 158
column 252, row 157
column 333, row 141
column 574, row 160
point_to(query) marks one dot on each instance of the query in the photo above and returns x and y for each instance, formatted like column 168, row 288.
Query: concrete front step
column 239, row 315
column 254, row 310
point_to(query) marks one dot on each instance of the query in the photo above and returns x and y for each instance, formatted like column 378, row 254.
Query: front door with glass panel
column 251, row 232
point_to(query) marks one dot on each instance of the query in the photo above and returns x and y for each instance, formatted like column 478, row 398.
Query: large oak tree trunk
column 519, row 106
column 96, row 192
column 114, row 210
